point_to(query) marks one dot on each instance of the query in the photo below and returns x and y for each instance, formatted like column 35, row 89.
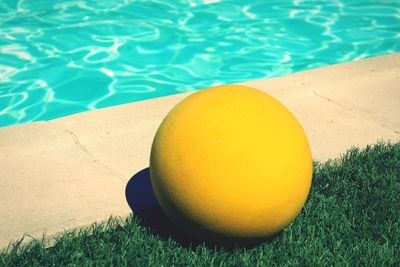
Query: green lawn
column 352, row 217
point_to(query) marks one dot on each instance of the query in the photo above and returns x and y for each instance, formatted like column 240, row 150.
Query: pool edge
column 73, row 170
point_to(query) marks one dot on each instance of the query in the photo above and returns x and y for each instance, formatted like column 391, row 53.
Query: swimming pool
column 62, row 57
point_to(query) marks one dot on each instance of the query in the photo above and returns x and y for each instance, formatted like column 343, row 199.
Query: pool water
column 62, row 57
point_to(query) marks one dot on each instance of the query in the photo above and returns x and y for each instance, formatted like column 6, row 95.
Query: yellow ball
column 231, row 161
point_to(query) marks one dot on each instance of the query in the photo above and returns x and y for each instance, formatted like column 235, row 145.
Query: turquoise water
column 62, row 57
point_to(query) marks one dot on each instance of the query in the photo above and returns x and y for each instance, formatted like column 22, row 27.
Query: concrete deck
column 72, row 171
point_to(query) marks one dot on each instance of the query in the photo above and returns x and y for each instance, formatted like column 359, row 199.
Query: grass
column 352, row 218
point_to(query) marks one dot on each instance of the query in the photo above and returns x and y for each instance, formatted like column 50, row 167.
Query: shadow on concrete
column 141, row 199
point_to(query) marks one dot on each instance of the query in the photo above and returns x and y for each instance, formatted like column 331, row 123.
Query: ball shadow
column 141, row 199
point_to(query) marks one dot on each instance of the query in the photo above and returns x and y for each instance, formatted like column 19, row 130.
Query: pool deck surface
column 73, row 171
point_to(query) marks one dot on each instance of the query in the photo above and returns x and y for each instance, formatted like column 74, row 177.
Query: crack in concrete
column 355, row 113
column 96, row 160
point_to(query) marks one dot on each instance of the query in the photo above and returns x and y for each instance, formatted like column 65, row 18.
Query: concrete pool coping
column 73, row 171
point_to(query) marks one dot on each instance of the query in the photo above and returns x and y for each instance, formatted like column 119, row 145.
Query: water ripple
column 67, row 56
